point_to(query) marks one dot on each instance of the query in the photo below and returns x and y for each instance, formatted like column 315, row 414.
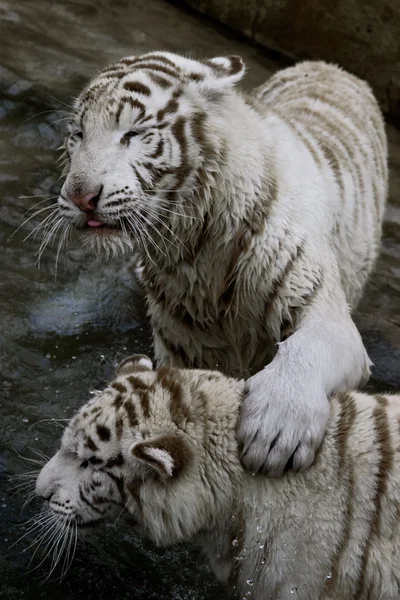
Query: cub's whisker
column 49, row 420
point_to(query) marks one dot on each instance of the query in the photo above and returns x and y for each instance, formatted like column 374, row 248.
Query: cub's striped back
column 362, row 448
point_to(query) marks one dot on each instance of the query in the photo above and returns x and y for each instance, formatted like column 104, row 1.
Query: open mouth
column 96, row 225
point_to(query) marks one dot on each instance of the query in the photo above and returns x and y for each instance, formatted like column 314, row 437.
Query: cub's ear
column 137, row 362
column 220, row 73
column 169, row 455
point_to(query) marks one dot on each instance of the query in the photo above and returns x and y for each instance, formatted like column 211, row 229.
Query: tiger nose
column 88, row 202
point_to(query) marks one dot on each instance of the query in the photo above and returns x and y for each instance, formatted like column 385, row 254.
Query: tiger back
column 338, row 120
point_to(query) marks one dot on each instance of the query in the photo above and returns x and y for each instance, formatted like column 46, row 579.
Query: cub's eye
column 130, row 134
column 91, row 461
column 77, row 134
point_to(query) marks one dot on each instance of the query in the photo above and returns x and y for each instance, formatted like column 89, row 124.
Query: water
column 61, row 337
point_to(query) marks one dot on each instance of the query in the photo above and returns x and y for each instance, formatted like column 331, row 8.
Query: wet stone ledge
column 363, row 37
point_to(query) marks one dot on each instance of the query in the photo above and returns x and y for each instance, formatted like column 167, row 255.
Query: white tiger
column 163, row 444
column 255, row 219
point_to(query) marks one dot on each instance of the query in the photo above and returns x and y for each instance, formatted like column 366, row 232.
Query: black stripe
column 86, row 501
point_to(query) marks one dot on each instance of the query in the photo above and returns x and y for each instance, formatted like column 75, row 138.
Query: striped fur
column 257, row 220
column 163, row 444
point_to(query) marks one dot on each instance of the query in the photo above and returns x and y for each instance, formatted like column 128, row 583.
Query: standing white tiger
column 255, row 220
column 163, row 445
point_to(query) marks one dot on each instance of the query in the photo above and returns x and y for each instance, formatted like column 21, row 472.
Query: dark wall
column 363, row 36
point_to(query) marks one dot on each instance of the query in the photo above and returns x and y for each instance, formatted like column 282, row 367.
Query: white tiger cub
column 163, row 444
column 255, row 218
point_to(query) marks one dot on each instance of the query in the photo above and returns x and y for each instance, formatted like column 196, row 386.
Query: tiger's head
column 153, row 442
column 140, row 145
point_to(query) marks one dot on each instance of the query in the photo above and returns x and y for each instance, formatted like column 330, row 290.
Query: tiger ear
column 229, row 69
column 137, row 362
column 220, row 73
column 169, row 455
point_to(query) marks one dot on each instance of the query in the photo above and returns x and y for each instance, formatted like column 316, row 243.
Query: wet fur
column 257, row 220
column 163, row 444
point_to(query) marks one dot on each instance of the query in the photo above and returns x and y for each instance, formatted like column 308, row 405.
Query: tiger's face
column 137, row 147
column 142, row 444
column 112, row 447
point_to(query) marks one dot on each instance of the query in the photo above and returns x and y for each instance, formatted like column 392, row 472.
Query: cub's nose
column 87, row 203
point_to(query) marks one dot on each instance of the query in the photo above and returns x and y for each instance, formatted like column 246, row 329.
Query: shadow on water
column 61, row 338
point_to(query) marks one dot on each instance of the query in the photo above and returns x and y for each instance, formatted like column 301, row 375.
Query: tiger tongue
column 94, row 223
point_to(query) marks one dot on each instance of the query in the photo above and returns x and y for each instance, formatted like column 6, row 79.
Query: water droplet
column 74, row 358
column 329, row 576
column 3, row 505
column 259, row 529
column 293, row 590
column 263, row 560
column 25, row 420
column 5, row 539
column 102, row 357
column 48, row 355
column 261, row 546
column 235, row 542
column 250, row 582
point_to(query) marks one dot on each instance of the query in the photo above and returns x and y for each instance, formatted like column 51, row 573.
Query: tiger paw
column 283, row 421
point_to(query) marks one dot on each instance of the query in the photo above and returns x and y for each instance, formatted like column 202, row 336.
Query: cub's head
column 152, row 442
column 139, row 148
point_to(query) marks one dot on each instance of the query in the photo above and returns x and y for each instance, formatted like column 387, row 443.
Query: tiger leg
column 286, row 405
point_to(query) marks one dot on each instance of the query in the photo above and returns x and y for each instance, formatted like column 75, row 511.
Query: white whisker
column 36, row 196
column 32, row 217
column 158, row 232
column 61, row 242
column 37, row 524
column 168, row 211
column 54, row 123
column 52, row 420
column 33, row 460
column 52, row 110
column 40, row 454
column 56, row 533
column 29, row 499
column 147, row 236
column 159, row 220
column 47, row 222
column 61, row 102
column 120, row 514
column 24, row 475
column 48, row 238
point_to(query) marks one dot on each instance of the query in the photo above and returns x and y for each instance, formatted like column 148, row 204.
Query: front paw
column 283, row 421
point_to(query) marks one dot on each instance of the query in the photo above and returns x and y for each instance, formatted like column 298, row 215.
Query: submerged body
column 164, row 445
column 257, row 223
